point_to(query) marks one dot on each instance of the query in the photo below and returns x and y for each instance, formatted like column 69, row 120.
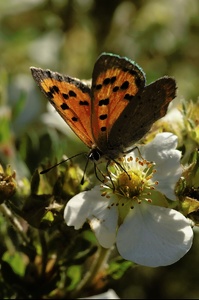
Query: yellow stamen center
column 130, row 185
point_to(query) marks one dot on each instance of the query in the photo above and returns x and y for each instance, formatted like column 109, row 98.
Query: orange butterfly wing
column 71, row 98
column 116, row 81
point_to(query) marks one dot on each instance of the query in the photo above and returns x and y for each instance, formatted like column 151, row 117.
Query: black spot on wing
column 124, row 85
column 106, row 81
column 103, row 117
column 64, row 106
column 116, row 88
column 52, row 91
column 128, row 97
column 72, row 93
column 74, row 119
column 49, row 95
column 98, row 86
column 83, row 103
column 104, row 102
column 65, row 96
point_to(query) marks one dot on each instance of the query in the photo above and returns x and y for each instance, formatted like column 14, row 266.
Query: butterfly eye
column 95, row 154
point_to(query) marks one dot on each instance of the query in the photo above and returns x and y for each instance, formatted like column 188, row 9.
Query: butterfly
column 116, row 111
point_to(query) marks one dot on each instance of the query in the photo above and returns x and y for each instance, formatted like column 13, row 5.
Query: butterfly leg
column 121, row 167
column 132, row 149
column 86, row 165
column 103, row 175
column 107, row 170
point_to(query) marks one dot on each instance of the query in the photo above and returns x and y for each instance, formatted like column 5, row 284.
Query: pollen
column 129, row 184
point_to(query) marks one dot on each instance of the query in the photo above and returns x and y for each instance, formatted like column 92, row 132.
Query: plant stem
column 14, row 221
column 99, row 263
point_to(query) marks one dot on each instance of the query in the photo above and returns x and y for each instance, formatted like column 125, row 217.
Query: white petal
column 77, row 210
column 161, row 147
column 162, row 141
column 162, row 151
column 167, row 182
column 105, row 227
column 91, row 206
column 154, row 236
column 110, row 294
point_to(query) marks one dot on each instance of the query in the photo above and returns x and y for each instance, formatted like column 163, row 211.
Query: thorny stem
column 98, row 264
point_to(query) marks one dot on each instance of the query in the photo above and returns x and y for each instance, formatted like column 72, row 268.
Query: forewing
column 140, row 114
column 115, row 82
column 70, row 97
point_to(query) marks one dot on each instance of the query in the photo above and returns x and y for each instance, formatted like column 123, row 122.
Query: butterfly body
column 116, row 111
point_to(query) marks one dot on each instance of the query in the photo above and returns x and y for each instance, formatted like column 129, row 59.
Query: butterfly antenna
column 82, row 181
column 61, row 162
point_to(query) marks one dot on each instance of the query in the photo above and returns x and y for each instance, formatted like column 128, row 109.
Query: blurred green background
column 67, row 36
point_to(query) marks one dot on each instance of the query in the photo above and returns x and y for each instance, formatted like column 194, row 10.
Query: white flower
column 133, row 212
column 110, row 294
